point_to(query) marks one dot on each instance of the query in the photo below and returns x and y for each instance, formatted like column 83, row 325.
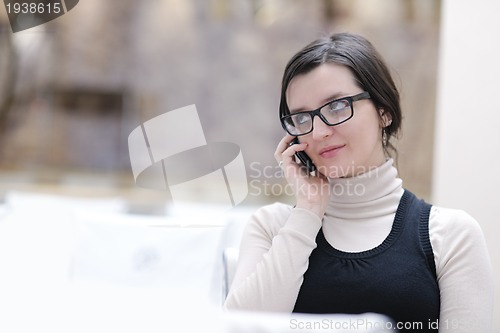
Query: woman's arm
column 277, row 243
column 463, row 270
column 274, row 255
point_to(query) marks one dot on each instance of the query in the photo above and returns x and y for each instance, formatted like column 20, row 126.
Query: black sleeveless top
column 396, row 279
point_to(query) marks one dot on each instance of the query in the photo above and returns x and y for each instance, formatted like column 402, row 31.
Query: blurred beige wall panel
column 467, row 152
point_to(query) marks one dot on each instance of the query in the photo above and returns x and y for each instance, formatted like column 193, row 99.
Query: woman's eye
column 303, row 118
column 339, row 105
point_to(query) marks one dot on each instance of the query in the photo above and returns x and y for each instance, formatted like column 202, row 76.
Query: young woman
column 356, row 241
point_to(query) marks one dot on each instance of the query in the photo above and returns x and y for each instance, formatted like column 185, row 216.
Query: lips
column 330, row 151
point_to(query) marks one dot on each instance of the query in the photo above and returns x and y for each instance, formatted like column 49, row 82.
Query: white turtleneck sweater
column 278, row 240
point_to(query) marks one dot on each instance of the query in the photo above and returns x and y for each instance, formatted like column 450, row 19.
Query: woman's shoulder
column 451, row 229
column 449, row 219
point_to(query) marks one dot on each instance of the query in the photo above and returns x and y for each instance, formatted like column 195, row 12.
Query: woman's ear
column 385, row 117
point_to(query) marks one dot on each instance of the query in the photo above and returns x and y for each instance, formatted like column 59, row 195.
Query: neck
column 366, row 185
column 361, row 210
column 371, row 188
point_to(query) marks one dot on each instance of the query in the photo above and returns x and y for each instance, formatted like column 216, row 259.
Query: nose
column 320, row 129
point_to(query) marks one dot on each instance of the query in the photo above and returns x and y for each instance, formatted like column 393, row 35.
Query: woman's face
column 344, row 150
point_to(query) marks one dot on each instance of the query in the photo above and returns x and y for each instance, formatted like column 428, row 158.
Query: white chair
column 230, row 261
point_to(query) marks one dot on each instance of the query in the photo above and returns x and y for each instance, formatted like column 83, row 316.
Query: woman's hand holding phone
column 312, row 191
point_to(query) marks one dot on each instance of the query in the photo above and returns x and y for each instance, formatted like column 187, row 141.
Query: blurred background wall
column 74, row 88
column 467, row 147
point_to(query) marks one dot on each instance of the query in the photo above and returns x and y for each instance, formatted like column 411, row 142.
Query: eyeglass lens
column 332, row 114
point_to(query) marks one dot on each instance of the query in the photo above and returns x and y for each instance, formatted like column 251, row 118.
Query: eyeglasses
column 332, row 113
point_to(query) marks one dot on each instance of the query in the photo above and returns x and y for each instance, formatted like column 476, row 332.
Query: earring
column 384, row 137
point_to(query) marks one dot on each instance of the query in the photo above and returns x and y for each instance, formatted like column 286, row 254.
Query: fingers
column 311, row 192
column 286, row 160
column 285, row 152
column 282, row 146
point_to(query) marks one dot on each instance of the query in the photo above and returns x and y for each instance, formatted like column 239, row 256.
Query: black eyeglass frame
column 317, row 112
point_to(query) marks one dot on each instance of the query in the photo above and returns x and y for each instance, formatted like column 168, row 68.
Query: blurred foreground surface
column 85, row 265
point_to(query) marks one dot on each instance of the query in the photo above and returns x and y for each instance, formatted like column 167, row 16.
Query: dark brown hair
column 366, row 64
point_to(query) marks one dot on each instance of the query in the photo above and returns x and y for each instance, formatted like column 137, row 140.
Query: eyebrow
column 323, row 102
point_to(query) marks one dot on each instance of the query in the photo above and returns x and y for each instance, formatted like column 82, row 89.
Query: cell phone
column 303, row 158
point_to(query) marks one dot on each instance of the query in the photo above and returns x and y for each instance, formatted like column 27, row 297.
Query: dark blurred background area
column 73, row 89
